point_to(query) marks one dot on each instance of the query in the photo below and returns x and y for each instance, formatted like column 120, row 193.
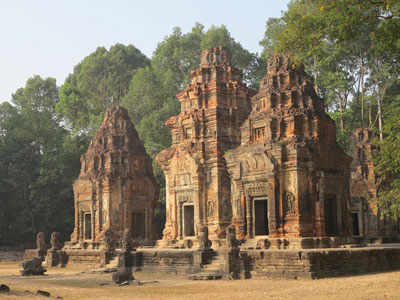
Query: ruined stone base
column 307, row 263
column 163, row 261
column 56, row 258
column 227, row 264
column 89, row 258
column 320, row 263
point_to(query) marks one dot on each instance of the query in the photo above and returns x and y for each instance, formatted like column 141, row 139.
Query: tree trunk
column 341, row 114
column 379, row 100
column 362, row 90
column 315, row 76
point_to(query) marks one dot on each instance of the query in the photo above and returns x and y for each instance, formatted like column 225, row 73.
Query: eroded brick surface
column 289, row 163
column 213, row 107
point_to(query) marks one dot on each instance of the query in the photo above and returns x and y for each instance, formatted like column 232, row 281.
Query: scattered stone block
column 43, row 293
column 4, row 289
column 122, row 275
column 33, row 267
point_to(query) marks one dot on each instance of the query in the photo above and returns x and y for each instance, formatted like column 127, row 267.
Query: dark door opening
column 188, row 219
column 88, row 226
column 261, row 217
column 138, row 225
column 356, row 228
column 330, row 217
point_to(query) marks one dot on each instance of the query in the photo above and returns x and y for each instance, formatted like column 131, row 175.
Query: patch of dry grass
column 75, row 285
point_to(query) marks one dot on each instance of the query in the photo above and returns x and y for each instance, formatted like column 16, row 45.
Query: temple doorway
column 261, row 216
column 88, row 226
column 356, row 228
column 137, row 225
column 330, row 216
column 188, row 220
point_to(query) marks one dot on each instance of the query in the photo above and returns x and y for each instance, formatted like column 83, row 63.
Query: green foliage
column 98, row 82
column 387, row 162
column 38, row 161
column 274, row 28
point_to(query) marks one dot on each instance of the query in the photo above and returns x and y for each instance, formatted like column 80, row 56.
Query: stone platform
column 300, row 263
column 230, row 264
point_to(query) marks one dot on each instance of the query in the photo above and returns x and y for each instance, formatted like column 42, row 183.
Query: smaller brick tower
column 116, row 189
column 364, row 186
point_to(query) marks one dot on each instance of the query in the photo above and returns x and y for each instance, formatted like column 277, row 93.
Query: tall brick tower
column 213, row 107
column 289, row 176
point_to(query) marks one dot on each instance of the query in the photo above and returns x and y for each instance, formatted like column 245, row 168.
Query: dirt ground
column 78, row 283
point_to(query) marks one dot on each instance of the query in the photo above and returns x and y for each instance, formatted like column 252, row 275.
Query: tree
column 39, row 161
column 273, row 29
column 387, row 163
column 98, row 82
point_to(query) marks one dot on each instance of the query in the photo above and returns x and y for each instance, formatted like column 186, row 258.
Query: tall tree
column 39, row 161
column 387, row 162
column 98, row 82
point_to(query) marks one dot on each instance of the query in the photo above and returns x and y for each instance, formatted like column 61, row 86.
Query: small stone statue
column 205, row 243
column 33, row 267
column 289, row 203
column 126, row 240
column 40, row 243
column 107, row 239
column 231, row 240
column 55, row 243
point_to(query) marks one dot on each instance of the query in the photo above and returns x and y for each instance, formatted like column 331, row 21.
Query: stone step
column 205, row 276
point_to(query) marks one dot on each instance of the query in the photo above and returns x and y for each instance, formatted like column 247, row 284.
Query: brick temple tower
column 213, row 107
column 116, row 188
column 289, row 177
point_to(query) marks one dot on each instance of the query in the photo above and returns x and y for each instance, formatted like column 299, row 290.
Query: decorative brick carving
column 213, row 106
column 288, row 144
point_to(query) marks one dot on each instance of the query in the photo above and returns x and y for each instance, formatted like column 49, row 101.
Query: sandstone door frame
column 87, row 226
column 184, row 219
column 264, row 199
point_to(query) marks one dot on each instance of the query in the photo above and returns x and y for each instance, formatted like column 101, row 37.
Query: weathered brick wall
column 319, row 263
column 175, row 262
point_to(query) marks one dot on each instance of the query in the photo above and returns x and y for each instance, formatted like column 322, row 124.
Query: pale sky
column 49, row 37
